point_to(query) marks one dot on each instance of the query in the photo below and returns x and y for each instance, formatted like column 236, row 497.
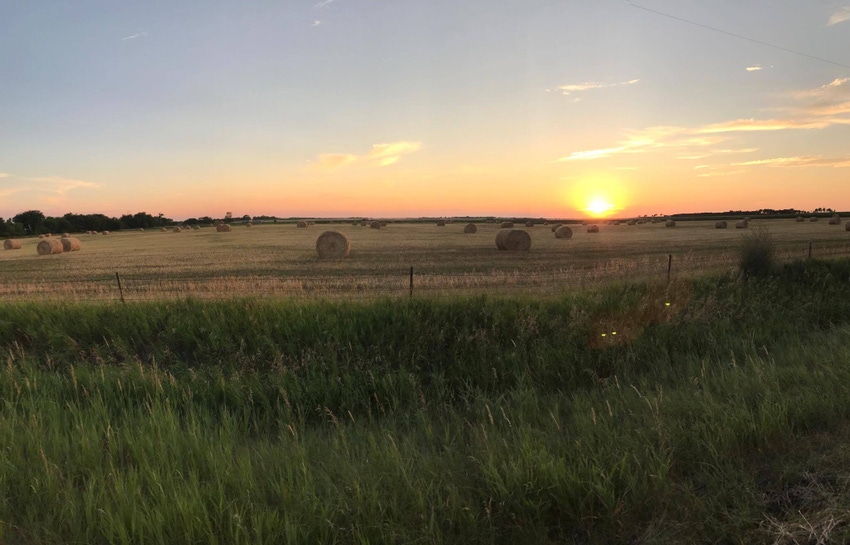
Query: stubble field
column 280, row 260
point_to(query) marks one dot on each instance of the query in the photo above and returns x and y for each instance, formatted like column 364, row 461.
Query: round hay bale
column 835, row 220
column 441, row 223
column 800, row 219
column 592, row 228
column 364, row 223
column 163, row 229
column 507, row 225
column 95, row 232
column 140, row 229
column 48, row 235
column 720, row 224
column 563, row 232
column 670, row 223
column 196, row 227
column 249, row 224
column 70, row 244
column 41, row 236
column 178, row 229
column 11, row 244
column 375, row 225
column 65, row 235
column 847, row 226
column 555, row 227
column 743, row 224
column 383, row 224
column 470, row 228
column 223, row 228
column 529, row 224
column 332, row 245
column 105, row 232
column 813, row 219
column 301, row 224
column 632, row 222
column 513, row 240
column 49, row 247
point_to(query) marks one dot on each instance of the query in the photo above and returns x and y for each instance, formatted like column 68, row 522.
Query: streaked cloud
column 804, row 161
column 134, row 36
column 316, row 23
column 381, row 155
column 843, row 14
column 323, row 3
column 588, row 85
column 755, row 68
column 59, row 185
column 809, row 109
column 3, row 175
column 335, row 160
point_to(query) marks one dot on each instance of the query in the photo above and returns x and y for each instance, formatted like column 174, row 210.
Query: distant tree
column 57, row 225
column 31, row 220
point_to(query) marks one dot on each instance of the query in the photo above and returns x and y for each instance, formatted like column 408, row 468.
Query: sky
column 409, row 108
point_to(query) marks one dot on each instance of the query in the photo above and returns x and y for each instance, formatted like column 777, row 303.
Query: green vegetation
column 694, row 412
column 757, row 254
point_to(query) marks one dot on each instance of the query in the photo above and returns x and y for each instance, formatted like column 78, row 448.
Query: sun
column 599, row 206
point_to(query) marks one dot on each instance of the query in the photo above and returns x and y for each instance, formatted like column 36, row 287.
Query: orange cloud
column 381, row 155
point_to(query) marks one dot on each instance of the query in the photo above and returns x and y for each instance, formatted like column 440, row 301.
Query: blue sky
column 435, row 107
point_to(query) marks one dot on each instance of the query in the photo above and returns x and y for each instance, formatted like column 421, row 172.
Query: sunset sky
column 423, row 107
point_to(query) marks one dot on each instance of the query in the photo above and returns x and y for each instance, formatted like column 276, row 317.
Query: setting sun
column 599, row 206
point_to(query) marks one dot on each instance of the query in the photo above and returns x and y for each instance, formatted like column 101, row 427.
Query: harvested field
column 279, row 261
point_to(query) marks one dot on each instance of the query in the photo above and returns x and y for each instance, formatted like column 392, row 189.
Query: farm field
column 249, row 392
column 280, row 261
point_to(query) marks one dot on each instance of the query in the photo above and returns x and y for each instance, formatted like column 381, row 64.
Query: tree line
column 34, row 222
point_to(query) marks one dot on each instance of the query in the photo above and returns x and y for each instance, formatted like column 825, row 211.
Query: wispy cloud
column 588, row 85
column 381, row 155
column 59, row 185
column 316, row 23
column 843, row 14
column 323, row 3
column 754, row 68
column 804, row 161
column 3, row 175
column 810, row 109
column 134, row 36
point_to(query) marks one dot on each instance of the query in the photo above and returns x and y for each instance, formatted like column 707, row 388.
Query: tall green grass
column 468, row 421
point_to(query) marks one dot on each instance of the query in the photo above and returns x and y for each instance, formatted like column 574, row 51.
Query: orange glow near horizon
column 598, row 196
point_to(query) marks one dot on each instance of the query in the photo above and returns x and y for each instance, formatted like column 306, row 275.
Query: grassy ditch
column 699, row 411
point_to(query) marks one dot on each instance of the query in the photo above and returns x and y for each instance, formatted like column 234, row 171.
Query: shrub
column 757, row 254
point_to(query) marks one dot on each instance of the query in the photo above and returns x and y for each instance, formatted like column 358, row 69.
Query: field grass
column 279, row 260
column 713, row 409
